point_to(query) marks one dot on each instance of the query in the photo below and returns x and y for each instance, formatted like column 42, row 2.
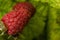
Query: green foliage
column 45, row 10
column 54, row 3
column 53, row 28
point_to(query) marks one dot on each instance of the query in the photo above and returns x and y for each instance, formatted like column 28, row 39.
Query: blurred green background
column 44, row 25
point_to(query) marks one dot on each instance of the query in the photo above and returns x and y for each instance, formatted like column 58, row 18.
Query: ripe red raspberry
column 16, row 19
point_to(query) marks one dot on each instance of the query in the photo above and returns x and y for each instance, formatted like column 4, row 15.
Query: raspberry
column 16, row 19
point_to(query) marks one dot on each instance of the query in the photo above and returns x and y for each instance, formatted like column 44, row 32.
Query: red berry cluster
column 16, row 19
